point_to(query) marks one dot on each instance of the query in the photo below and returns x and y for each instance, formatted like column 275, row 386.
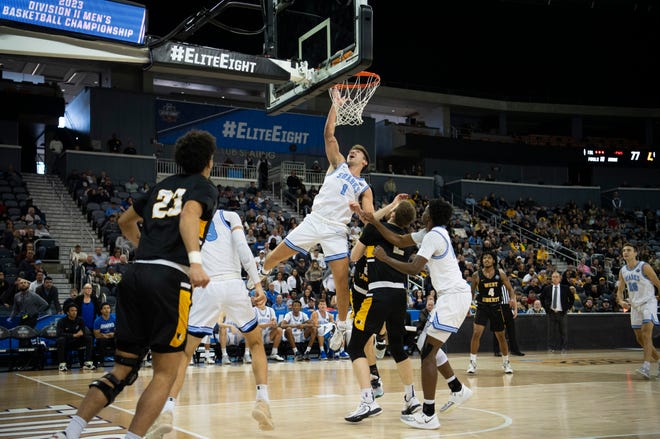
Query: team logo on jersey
column 211, row 234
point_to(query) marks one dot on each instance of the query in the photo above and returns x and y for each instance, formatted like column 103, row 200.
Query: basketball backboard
column 333, row 38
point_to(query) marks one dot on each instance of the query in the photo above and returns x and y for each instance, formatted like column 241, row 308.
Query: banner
column 97, row 18
column 236, row 128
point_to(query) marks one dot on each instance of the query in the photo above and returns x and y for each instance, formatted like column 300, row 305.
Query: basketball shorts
column 153, row 304
column 648, row 312
column 314, row 229
column 448, row 315
column 486, row 313
column 228, row 295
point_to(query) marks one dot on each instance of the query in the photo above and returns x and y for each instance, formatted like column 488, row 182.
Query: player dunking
column 327, row 223
column 154, row 295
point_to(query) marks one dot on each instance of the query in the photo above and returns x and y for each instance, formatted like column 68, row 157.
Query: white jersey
column 640, row 287
column 218, row 251
column 339, row 187
column 443, row 266
column 265, row 315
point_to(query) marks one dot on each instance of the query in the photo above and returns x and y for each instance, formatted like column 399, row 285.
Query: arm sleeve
column 241, row 245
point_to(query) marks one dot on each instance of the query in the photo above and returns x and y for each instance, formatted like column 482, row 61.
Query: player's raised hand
column 399, row 198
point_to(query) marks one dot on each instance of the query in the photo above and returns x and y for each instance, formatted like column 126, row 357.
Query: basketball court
column 582, row 394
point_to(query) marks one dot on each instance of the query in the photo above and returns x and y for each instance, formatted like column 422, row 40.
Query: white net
column 351, row 96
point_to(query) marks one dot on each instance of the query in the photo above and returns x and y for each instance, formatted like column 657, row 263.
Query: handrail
column 505, row 224
column 73, row 219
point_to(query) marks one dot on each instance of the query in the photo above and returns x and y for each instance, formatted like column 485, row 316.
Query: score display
column 620, row 157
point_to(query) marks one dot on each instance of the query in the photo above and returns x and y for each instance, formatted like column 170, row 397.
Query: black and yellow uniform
column 359, row 285
column 489, row 301
column 385, row 301
column 154, row 295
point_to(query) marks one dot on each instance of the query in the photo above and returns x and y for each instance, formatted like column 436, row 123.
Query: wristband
column 195, row 257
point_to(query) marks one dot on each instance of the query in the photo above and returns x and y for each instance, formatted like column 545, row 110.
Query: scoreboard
column 619, row 157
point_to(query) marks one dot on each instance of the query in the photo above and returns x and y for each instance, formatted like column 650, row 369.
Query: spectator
column 390, row 189
column 114, row 144
column 100, row 258
column 89, row 306
column 131, row 186
column 50, row 294
column 294, row 184
column 27, row 305
column 72, row 334
column 104, row 334
column 536, row 308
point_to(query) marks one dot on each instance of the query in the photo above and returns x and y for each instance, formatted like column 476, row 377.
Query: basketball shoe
column 420, row 420
column 161, row 426
column 456, row 399
column 261, row 414
column 363, row 411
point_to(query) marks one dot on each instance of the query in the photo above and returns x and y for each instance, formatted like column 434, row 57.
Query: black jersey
column 378, row 271
column 161, row 212
column 490, row 289
column 360, row 275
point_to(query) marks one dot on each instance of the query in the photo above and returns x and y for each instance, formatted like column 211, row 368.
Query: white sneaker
column 456, row 399
column 226, row 360
column 89, row 365
column 472, row 368
column 247, row 358
column 411, row 406
column 276, row 357
column 161, row 426
column 645, row 372
column 363, row 411
column 337, row 338
column 63, row 368
column 261, row 414
column 507, row 368
column 420, row 420
column 210, row 359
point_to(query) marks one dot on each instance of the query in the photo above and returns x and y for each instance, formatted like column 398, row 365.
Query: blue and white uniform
column 454, row 296
column 223, row 253
column 641, row 295
column 327, row 224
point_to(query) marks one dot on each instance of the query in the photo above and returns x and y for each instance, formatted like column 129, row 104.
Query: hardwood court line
column 131, row 412
column 617, row 435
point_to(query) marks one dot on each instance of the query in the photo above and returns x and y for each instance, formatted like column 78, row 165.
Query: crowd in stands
column 24, row 242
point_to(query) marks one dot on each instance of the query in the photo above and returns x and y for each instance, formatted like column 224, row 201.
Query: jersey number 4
column 168, row 203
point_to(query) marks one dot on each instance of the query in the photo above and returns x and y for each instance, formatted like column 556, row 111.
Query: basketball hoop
column 350, row 96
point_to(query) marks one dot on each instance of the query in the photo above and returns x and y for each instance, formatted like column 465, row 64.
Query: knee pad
column 110, row 393
column 134, row 364
column 440, row 358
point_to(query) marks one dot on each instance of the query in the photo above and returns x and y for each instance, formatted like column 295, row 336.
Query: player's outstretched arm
column 413, row 267
column 335, row 156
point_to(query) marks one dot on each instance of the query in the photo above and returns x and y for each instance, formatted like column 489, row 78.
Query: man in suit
column 557, row 300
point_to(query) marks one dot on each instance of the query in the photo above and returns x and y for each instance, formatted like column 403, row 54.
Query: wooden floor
column 585, row 394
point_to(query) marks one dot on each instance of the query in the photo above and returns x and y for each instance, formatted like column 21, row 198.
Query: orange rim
column 374, row 82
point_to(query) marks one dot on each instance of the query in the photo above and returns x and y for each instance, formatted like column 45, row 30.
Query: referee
column 510, row 312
